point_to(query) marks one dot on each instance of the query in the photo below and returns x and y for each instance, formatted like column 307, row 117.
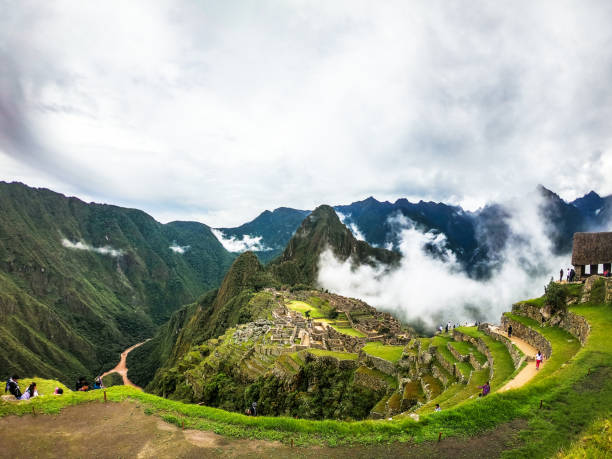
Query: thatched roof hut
column 592, row 248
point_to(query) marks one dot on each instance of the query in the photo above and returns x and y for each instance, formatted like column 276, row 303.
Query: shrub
column 555, row 296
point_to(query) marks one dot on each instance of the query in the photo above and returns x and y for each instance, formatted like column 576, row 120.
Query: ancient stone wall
column 377, row 363
column 528, row 334
column 480, row 345
column 371, row 382
column 570, row 322
column 349, row 343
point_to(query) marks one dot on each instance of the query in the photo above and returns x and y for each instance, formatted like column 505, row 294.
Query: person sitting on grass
column 12, row 386
column 58, row 391
column 98, row 383
column 30, row 392
column 486, row 388
column 438, row 407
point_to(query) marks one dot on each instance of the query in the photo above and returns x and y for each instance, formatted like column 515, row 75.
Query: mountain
column 274, row 228
column 321, row 230
column 80, row 282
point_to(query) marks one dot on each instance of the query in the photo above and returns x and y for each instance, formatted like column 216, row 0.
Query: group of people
column 569, row 276
column 82, row 385
column 12, row 387
column 450, row 327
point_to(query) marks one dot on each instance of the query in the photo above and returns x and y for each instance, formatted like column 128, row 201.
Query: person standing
column 539, row 359
column 561, row 275
column 509, row 331
column 568, row 275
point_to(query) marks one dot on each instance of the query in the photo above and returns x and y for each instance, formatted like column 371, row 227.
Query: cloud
column 230, row 107
column 437, row 290
column 247, row 242
column 346, row 220
column 80, row 245
column 179, row 249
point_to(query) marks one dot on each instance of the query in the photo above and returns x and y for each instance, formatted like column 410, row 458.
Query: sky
column 215, row 111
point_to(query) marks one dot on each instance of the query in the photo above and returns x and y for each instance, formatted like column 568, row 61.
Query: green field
column 338, row 355
column 301, row 306
column 348, row 331
column 390, row 353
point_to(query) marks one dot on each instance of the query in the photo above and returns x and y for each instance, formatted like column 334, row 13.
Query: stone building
column 592, row 249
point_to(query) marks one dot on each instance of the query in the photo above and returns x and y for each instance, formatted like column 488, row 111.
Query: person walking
column 509, row 331
column 539, row 359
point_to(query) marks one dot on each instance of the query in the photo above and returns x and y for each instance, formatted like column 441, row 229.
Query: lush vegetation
column 377, row 349
column 112, row 379
column 69, row 312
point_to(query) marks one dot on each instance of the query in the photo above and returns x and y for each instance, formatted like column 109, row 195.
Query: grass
column 465, row 348
column 440, row 342
column 302, row 307
column 338, row 355
column 348, row 331
column 377, row 349
column 112, row 379
column 503, row 366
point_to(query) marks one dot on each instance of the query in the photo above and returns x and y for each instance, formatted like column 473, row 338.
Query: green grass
column 503, row 366
column 301, row 306
column 112, row 379
column 338, row 355
column 377, row 349
column 440, row 342
column 465, row 348
column 348, row 331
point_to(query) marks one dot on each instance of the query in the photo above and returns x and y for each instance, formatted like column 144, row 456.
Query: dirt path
column 114, row 430
column 122, row 368
column 530, row 369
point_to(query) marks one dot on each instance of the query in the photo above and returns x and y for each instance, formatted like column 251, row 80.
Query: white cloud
column 346, row 220
column 232, row 244
column 80, row 245
column 198, row 108
column 438, row 291
column 179, row 249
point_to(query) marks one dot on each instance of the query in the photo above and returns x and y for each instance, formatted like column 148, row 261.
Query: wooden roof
column 592, row 248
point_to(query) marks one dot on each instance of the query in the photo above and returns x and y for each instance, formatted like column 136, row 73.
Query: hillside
column 80, row 282
column 562, row 411
column 320, row 231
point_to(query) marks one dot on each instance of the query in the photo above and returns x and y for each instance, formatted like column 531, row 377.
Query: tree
column 555, row 296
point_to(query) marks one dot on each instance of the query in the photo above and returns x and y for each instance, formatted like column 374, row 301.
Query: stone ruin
column 591, row 249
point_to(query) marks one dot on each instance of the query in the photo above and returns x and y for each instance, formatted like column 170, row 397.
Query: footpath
column 530, row 369
column 122, row 368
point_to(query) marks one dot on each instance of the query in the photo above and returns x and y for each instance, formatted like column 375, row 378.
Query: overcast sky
column 215, row 111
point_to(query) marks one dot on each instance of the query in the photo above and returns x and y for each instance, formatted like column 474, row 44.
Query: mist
column 80, row 245
column 430, row 291
column 247, row 242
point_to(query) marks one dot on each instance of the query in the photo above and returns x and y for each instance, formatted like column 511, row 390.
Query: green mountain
column 80, row 282
column 320, row 231
column 274, row 228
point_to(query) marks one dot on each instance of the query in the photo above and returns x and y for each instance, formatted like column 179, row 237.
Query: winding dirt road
column 122, row 368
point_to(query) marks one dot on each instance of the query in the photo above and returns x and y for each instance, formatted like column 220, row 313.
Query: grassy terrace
column 378, row 374
column 503, row 367
column 348, row 331
column 440, row 341
column 575, row 397
column 302, row 307
column 390, row 353
column 338, row 355
column 465, row 348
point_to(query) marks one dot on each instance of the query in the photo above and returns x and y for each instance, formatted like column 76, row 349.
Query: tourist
column 538, row 360
column 572, row 275
column 509, row 331
column 254, row 409
column 568, row 275
column 561, row 275
column 486, row 388
column 438, row 407
column 30, row 392
column 98, row 383
column 12, row 386
column 58, row 391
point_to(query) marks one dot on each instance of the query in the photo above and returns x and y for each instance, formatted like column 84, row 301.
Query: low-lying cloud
column 80, row 245
column 179, row 249
column 431, row 291
column 247, row 242
column 346, row 219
